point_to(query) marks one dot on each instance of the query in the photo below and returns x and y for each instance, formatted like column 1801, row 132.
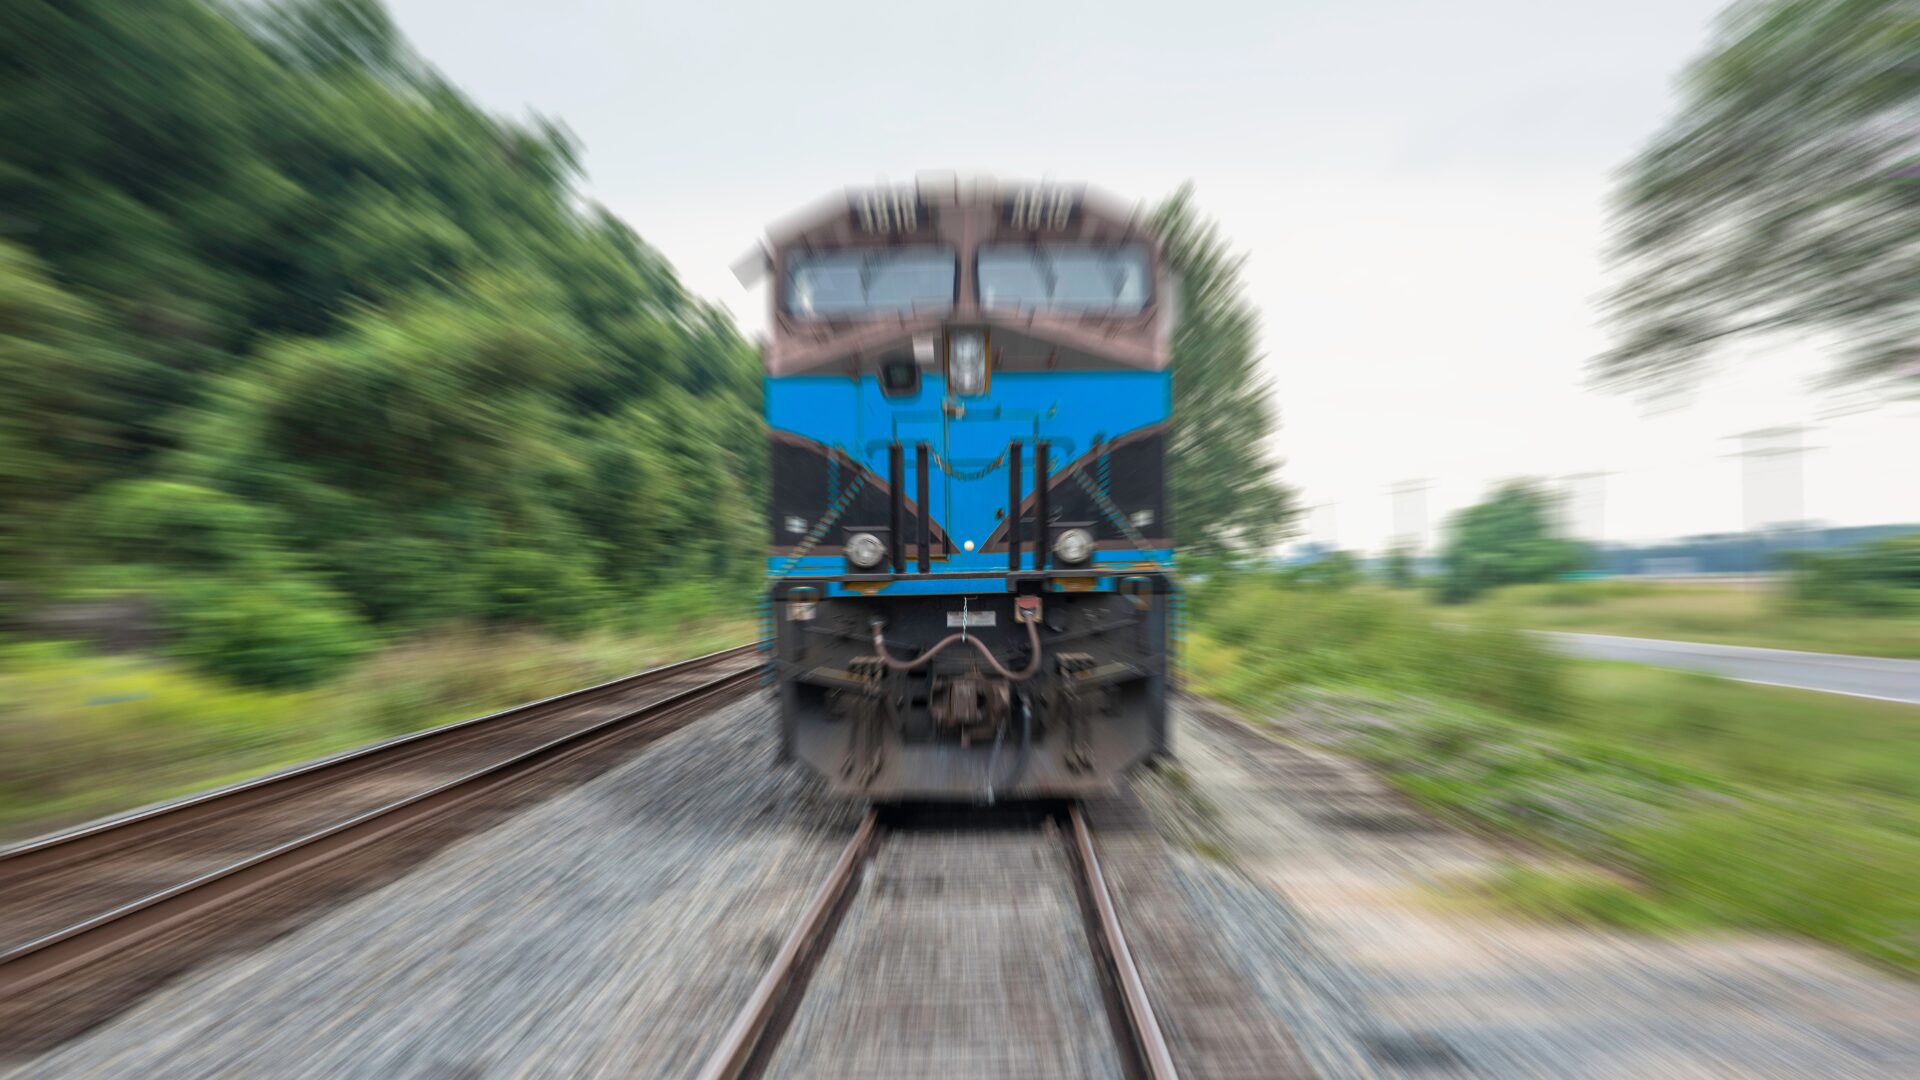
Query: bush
column 1399, row 571
column 685, row 603
column 405, row 582
column 283, row 632
column 1334, row 570
column 1288, row 639
column 530, row 586
column 1506, row 540
column 176, row 524
column 1879, row 578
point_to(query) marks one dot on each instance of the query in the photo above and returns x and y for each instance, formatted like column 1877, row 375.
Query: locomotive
column 969, row 569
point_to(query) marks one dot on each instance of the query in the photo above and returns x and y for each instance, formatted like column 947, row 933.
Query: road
column 1832, row 673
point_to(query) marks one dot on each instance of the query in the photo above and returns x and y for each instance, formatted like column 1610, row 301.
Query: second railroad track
column 143, row 889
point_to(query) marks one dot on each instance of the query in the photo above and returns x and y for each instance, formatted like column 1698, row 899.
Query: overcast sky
column 1419, row 188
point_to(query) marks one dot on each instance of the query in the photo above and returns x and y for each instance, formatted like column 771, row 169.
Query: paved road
column 1832, row 673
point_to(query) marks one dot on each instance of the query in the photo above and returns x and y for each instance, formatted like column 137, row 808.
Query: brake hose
column 1033, row 662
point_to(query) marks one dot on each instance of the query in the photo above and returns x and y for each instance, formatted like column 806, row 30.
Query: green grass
column 1725, row 614
column 1692, row 801
column 1789, row 740
column 87, row 735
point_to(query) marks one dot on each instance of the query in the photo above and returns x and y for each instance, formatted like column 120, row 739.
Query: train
column 970, row 570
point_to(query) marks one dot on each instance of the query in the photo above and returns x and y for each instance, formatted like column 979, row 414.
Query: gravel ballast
column 610, row 931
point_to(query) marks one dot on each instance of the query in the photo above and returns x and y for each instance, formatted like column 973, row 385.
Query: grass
column 1770, row 737
column 1724, row 614
column 1691, row 801
column 87, row 735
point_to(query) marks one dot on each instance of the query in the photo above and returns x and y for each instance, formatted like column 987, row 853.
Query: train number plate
column 970, row 618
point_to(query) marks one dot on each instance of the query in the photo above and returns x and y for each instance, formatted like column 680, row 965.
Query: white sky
column 1419, row 188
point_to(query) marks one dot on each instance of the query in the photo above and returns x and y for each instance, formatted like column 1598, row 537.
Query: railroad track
column 757, row 1042
column 71, row 904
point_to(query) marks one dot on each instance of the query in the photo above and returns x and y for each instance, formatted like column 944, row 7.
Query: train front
column 968, row 396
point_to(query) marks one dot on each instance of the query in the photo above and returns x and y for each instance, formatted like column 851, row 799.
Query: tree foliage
column 1880, row 577
column 1226, row 497
column 1332, row 570
column 290, row 326
column 1785, row 196
column 1400, row 570
column 1506, row 540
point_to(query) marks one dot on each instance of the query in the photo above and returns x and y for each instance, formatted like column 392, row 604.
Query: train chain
column 964, row 477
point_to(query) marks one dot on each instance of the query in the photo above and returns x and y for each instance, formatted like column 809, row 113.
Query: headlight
column 967, row 363
column 1073, row 546
column 865, row 550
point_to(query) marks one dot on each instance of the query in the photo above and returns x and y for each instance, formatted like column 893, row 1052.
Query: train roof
column 820, row 219
column 961, row 212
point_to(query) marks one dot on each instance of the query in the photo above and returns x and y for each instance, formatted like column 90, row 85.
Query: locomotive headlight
column 865, row 550
column 967, row 363
column 1073, row 545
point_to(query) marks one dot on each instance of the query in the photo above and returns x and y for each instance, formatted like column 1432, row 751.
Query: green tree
column 1399, row 570
column 1506, row 540
column 1881, row 577
column 1226, row 497
column 265, row 631
column 68, row 395
column 1785, row 196
column 1333, row 570
column 298, row 326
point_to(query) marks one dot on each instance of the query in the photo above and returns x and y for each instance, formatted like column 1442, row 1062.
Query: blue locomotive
column 969, row 565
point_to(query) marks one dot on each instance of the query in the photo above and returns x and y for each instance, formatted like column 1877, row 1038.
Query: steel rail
column 748, row 1045
column 744, row 1050
column 49, row 956
column 133, row 825
column 123, row 830
column 1137, row 1019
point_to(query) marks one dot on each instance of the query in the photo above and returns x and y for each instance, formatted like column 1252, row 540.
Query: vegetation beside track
column 1691, row 801
column 88, row 735
column 308, row 355
column 1727, row 615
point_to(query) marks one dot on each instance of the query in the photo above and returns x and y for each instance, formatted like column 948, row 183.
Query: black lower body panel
column 962, row 726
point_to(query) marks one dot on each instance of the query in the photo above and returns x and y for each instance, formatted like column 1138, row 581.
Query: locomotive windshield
column 1064, row 278
column 870, row 281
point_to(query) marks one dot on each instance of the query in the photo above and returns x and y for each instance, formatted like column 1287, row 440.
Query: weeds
column 1706, row 802
column 1769, row 618
column 89, row 734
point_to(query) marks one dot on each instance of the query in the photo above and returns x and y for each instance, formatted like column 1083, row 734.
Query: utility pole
column 1326, row 532
column 1773, row 494
column 1584, row 496
column 1772, row 491
column 1410, row 515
